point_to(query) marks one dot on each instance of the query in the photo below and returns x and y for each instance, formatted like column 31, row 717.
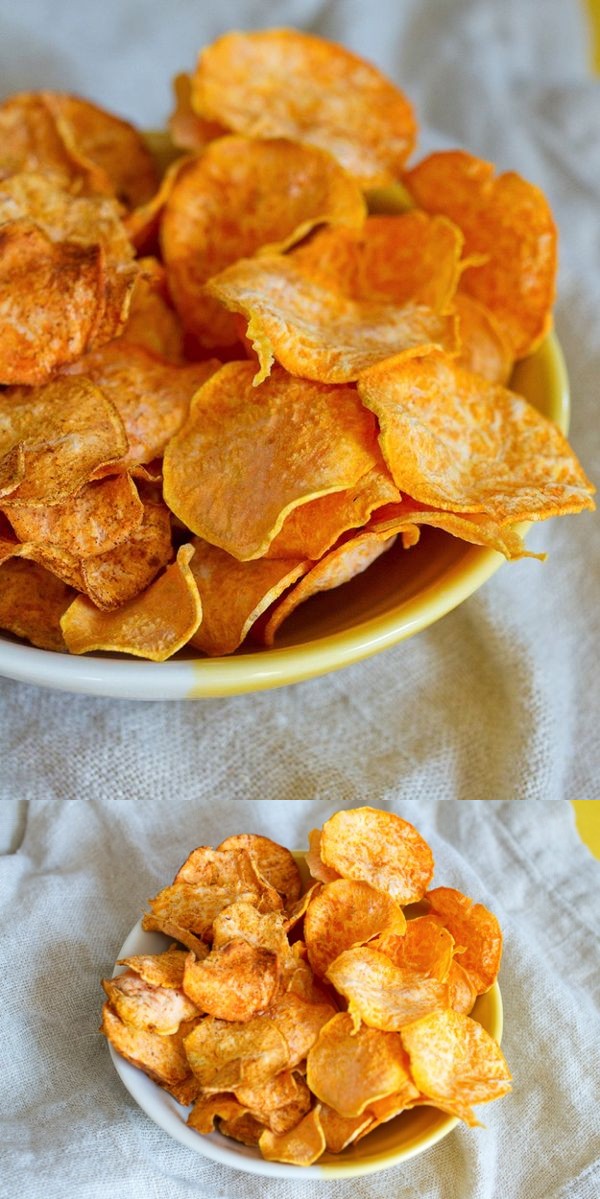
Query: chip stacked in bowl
column 228, row 388
column 298, row 1022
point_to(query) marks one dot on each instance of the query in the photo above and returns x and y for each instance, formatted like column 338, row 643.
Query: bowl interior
column 405, row 1136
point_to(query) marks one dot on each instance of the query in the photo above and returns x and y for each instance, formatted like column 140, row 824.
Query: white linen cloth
column 499, row 699
column 79, row 882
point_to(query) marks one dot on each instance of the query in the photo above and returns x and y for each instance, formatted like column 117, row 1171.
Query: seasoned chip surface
column 381, row 848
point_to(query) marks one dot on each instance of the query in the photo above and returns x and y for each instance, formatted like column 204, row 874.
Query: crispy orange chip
column 426, row 948
column 381, row 848
column 153, row 625
column 234, row 594
column 280, row 1103
column 473, row 926
column 341, row 1131
column 159, row 969
column 162, row 1057
column 116, row 576
column 338, row 101
column 349, row 1069
column 151, row 1008
column 338, row 566
column 314, row 861
column 412, row 257
column 457, row 442
column 229, row 868
column 152, row 322
column 455, row 1063
column 509, row 221
column 273, row 861
column 32, row 601
column 225, row 1055
column 311, row 529
column 31, row 141
column 314, row 330
column 462, row 989
column 246, row 1129
column 238, row 197
column 382, row 994
column 209, row 1108
column 164, row 924
column 247, row 456
column 347, row 913
column 301, row 1146
column 468, row 526
column 233, row 982
column 86, row 220
column 484, row 348
column 189, row 131
column 92, row 521
column 67, row 430
column 300, row 1020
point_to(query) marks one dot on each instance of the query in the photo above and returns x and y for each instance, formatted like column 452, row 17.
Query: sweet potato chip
column 209, row 1108
column 230, row 868
column 85, row 220
column 347, row 913
column 475, row 928
column 238, row 197
column 234, row 982
column 457, row 442
column 113, row 578
column 161, row 1057
column 341, row 1131
column 92, row 521
column 273, row 861
column 152, row 396
column 314, row 861
column 234, row 594
column 507, row 220
column 338, row 566
column 314, row 330
column 225, row 1055
column 188, row 131
column 381, row 848
column 30, row 141
column 455, row 1063
column 426, row 948
column 154, row 625
column 163, row 923
column 247, row 456
column 349, row 1069
column 143, row 224
column 462, row 989
column 301, row 1145
column 67, row 429
column 394, row 259
column 151, row 1008
column 382, row 994
column 311, row 529
column 300, row 1020
column 280, row 1103
column 337, row 100
column 152, row 322
column 484, row 348
column 468, row 526
column 32, row 601
column 246, row 1129
column 159, row 969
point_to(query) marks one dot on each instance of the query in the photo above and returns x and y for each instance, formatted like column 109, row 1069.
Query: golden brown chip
column 407, row 517
column 161, row 1057
column 475, row 928
column 395, row 259
column 143, row 223
column 341, row 1131
column 314, row 861
column 159, row 969
column 189, row 131
column 455, row 1063
column 238, row 197
column 507, row 220
column 311, row 529
column 300, row 1020
column 153, row 625
column 336, row 100
column 92, row 521
column 234, row 594
column 298, row 910
column 164, row 924
column 273, row 861
column 152, row 322
column 247, row 456
column 484, row 348
column 245, row 1128
column 225, row 1055
column 31, row 141
column 151, row 1008
column 382, row 994
column 301, row 1145
column 347, row 913
column 67, row 429
column 209, row 1108
column 336, row 567
column 426, row 948
column 280, row 1103
column 454, row 441
column 113, row 578
column 462, row 989
column 349, row 1069
column 229, row 868
column 85, row 220
column 234, row 982
column 314, row 330
column 381, row 848
column 32, row 601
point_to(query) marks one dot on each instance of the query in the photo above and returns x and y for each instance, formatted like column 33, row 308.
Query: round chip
column 209, row 1108
column 300, row 1020
column 349, row 1069
column 407, row 517
column 381, row 848
column 484, row 348
column 382, row 994
column 313, row 528
column 114, row 577
column 92, row 521
column 233, row 982
column 455, row 1063
column 301, row 1145
column 347, row 913
column 475, row 928
column 32, row 601
column 159, row 969
column 273, row 861
column 426, row 948
column 314, row 861
column 226, row 1055
column 338, row 101
column 151, row 1008
column 161, row 1057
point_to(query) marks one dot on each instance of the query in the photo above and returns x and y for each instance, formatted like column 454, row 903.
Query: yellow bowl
column 398, row 596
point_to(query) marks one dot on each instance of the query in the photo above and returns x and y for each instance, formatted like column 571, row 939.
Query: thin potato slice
column 455, row 1063
column 313, row 528
column 234, row 982
column 225, row 1055
column 209, row 1108
column 426, row 948
column 117, row 576
column 314, row 861
column 349, row 1069
column 300, row 1020
column 273, row 861
column 246, row 1129
column 475, row 928
column 32, row 601
column 92, row 521
column 408, row 517
column 159, row 969
column 508, row 221
column 347, row 913
column 85, row 220
column 301, row 1145
column 234, row 869
column 454, row 441
column 341, row 1131
column 152, row 322
column 338, row 101
column 280, row 1103
column 382, row 994
column 153, row 625
column 247, row 456
column 315, row 331
column 238, row 197
column 462, row 989
column 151, row 1008
column 484, row 349
column 161, row 923
column 161, row 1057
column 31, row 142
column 381, row 848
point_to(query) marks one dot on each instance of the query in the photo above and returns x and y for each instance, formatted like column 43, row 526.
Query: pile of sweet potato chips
column 298, row 1020
column 230, row 385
